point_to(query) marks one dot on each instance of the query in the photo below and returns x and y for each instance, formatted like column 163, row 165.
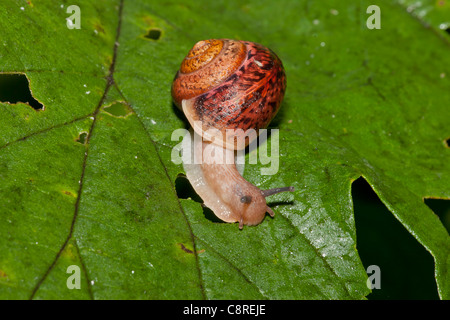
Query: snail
column 228, row 86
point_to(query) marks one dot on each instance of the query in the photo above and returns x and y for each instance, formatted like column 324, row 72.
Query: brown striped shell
column 229, row 85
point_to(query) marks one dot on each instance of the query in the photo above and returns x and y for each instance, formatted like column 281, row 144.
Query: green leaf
column 88, row 181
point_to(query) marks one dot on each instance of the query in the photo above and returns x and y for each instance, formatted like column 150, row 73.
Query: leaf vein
column 110, row 82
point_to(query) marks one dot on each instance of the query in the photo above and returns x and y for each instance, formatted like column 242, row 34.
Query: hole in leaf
column 407, row 269
column 447, row 143
column 14, row 88
column 447, row 30
column 441, row 207
column 185, row 190
column 153, row 34
column 82, row 137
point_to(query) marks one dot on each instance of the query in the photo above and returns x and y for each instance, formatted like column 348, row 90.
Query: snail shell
column 228, row 85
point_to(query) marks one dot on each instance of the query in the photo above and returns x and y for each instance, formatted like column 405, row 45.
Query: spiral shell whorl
column 207, row 65
column 200, row 55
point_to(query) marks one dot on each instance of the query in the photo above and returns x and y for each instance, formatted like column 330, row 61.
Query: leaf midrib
column 109, row 84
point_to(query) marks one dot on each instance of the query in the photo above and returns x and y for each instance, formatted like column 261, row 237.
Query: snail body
column 227, row 88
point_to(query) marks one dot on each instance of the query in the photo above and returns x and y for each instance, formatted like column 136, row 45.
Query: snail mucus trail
column 228, row 86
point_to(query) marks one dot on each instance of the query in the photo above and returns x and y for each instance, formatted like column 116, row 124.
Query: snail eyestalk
column 270, row 192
